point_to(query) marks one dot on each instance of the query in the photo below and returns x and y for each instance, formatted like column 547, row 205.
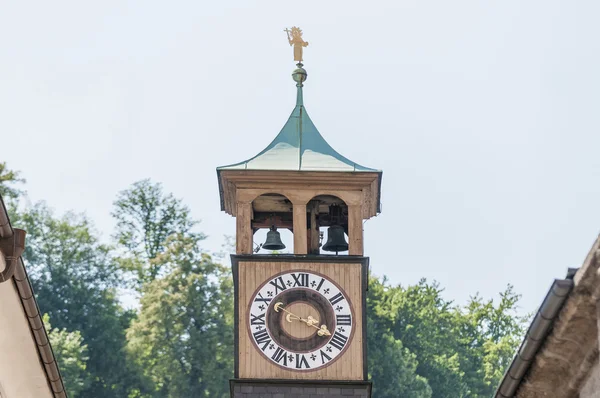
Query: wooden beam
column 313, row 247
column 300, row 239
column 244, row 233
column 355, row 230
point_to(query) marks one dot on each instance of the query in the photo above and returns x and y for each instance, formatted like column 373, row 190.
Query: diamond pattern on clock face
column 301, row 321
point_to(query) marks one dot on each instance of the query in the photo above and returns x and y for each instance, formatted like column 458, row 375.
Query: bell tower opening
column 327, row 225
column 272, row 224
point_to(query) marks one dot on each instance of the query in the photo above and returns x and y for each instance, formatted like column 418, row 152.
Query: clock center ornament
column 300, row 303
column 315, row 340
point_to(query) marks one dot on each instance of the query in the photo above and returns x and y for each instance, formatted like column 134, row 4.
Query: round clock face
column 300, row 320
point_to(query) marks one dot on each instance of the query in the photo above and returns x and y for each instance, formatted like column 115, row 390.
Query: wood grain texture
column 353, row 188
column 355, row 230
column 244, row 228
column 252, row 364
column 300, row 239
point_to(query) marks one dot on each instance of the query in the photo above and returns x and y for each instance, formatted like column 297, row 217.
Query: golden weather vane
column 295, row 38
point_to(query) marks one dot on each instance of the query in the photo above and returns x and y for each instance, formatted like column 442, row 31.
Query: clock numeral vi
column 301, row 360
column 280, row 354
column 343, row 320
column 338, row 341
column 278, row 283
column 257, row 320
column 336, row 299
column 300, row 280
column 262, row 337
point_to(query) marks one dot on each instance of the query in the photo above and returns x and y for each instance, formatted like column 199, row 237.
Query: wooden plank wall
column 252, row 364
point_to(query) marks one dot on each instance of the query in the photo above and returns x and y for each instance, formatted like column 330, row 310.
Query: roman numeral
column 300, row 360
column 300, row 280
column 323, row 356
column 320, row 284
column 262, row 337
column 343, row 320
column 336, row 299
column 278, row 283
column 261, row 298
column 338, row 340
column 259, row 320
column 280, row 354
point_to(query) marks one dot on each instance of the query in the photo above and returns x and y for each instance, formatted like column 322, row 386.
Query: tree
column 75, row 280
column 184, row 332
column 461, row 351
column 72, row 355
column 392, row 367
column 7, row 179
column 146, row 217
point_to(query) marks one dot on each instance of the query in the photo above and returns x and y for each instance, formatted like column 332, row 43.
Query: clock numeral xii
column 300, row 280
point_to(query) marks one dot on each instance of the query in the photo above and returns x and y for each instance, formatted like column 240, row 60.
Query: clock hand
column 310, row 321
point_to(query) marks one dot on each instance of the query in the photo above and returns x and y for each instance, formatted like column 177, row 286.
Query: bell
column 336, row 241
column 273, row 241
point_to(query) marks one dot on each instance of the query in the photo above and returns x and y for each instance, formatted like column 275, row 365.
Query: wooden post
column 314, row 230
column 244, row 233
column 355, row 230
column 300, row 238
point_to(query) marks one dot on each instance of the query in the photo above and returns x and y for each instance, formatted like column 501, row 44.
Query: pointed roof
column 299, row 146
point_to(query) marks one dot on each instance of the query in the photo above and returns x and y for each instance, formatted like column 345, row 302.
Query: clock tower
column 300, row 321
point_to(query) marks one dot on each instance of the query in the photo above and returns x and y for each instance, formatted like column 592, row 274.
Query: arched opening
column 327, row 222
column 272, row 224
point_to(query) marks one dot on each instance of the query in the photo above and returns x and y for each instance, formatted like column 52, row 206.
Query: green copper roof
column 299, row 147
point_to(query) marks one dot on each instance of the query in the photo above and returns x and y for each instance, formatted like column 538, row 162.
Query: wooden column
column 355, row 230
column 314, row 229
column 244, row 235
column 300, row 238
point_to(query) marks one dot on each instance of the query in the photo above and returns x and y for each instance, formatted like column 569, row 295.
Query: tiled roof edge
column 32, row 312
column 535, row 337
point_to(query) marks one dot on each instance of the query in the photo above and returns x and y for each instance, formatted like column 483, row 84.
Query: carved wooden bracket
column 11, row 247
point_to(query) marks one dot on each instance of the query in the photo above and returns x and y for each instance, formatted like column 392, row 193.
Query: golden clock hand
column 312, row 322
column 290, row 315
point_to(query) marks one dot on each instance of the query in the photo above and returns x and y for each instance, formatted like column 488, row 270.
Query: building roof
column 561, row 344
column 31, row 311
column 299, row 147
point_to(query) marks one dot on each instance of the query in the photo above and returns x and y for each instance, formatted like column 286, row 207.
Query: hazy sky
column 483, row 116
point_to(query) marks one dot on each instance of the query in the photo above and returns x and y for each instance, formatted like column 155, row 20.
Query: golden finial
column 295, row 38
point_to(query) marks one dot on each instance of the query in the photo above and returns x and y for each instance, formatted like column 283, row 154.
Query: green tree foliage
column 146, row 217
column 179, row 342
column 7, row 179
column 72, row 355
column 392, row 367
column 184, row 332
column 461, row 351
column 75, row 281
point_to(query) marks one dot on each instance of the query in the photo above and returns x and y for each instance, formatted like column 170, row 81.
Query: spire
column 299, row 146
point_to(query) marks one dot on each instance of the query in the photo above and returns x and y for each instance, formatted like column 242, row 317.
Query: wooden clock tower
column 300, row 322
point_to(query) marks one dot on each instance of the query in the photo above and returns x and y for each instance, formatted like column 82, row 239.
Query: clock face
column 300, row 320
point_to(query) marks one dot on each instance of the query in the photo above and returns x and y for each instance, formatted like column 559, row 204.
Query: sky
column 482, row 115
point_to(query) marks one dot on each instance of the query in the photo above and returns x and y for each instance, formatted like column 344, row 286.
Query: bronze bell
column 336, row 241
column 273, row 241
